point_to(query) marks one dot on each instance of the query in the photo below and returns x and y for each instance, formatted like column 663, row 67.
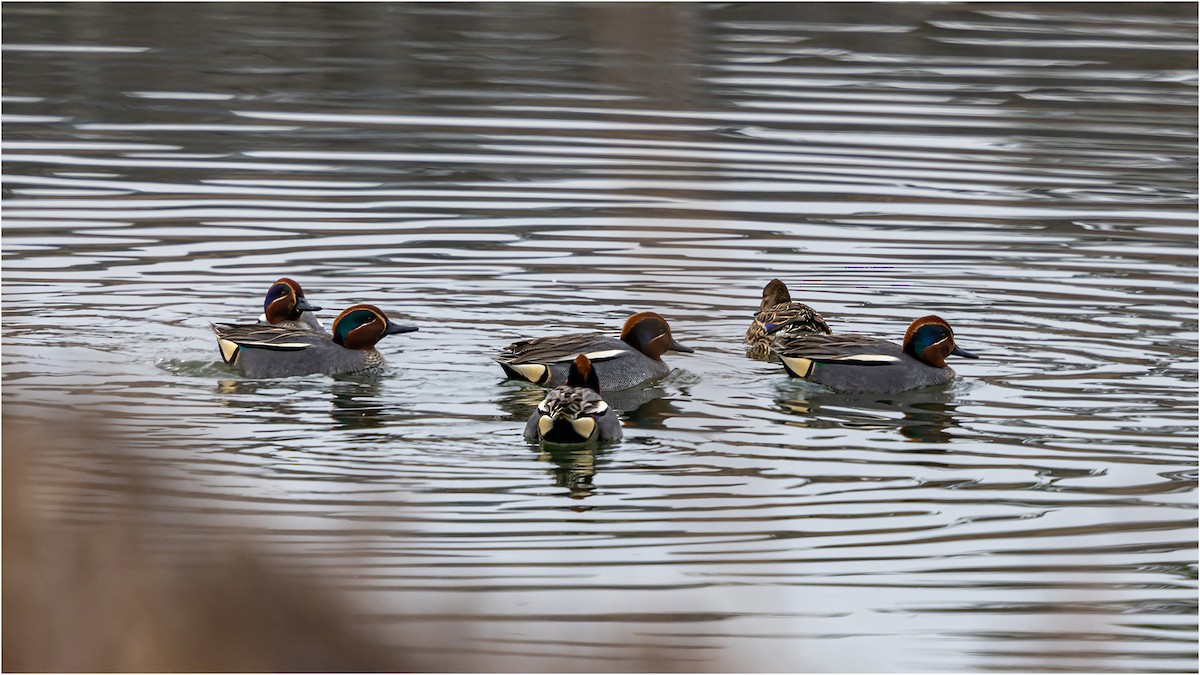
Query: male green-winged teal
column 777, row 310
column 260, row 350
column 574, row 412
column 634, row 358
column 857, row 364
column 286, row 307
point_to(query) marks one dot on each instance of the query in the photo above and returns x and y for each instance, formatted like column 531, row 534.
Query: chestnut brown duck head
column 285, row 302
column 930, row 340
column 649, row 333
column 361, row 326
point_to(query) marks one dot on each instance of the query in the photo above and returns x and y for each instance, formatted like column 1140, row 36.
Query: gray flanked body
column 617, row 364
column 306, row 322
column 872, row 366
column 573, row 415
column 262, row 351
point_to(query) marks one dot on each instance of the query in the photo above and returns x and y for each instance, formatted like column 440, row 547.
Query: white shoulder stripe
column 606, row 354
column 879, row 358
column 276, row 345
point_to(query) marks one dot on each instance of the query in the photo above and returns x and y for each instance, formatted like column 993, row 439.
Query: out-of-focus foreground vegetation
column 90, row 589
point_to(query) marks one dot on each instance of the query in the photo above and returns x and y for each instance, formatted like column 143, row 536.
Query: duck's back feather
column 558, row 348
column 794, row 317
column 546, row 360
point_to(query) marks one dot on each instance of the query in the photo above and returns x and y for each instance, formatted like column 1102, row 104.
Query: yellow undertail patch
column 584, row 426
column 798, row 365
column 229, row 350
column 545, row 424
column 536, row 373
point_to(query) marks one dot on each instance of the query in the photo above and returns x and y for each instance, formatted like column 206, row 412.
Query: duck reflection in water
column 355, row 400
column 357, row 404
column 926, row 415
column 574, row 466
column 281, row 400
column 647, row 408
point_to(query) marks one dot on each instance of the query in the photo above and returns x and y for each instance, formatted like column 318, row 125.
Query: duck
column 286, row 307
column 574, row 412
column 262, row 351
column 779, row 315
column 619, row 363
column 858, row 364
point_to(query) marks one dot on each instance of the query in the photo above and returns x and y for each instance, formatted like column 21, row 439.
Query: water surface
column 493, row 171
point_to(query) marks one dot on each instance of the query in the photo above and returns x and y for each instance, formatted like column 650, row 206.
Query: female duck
column 777, row 314
column 273, row 351
column 286, row 307
column 574, row 412
column 856, row 364
column 622, row 363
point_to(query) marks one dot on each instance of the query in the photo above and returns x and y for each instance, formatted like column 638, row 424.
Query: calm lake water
column 494, row 171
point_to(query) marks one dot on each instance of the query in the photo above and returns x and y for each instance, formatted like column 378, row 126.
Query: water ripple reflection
column 491, row 172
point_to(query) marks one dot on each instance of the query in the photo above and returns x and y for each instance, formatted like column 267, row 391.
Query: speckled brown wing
column 791, row 317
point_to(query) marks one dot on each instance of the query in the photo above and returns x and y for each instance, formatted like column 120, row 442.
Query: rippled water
column 494, row 171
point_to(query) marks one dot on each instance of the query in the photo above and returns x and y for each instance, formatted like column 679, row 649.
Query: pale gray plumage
column 633, row 359
column 276, row 351
column 856, row 377
column 858, row 364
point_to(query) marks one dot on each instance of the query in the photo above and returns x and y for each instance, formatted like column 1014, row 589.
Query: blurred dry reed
column 85, row 588
column 91, row 597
